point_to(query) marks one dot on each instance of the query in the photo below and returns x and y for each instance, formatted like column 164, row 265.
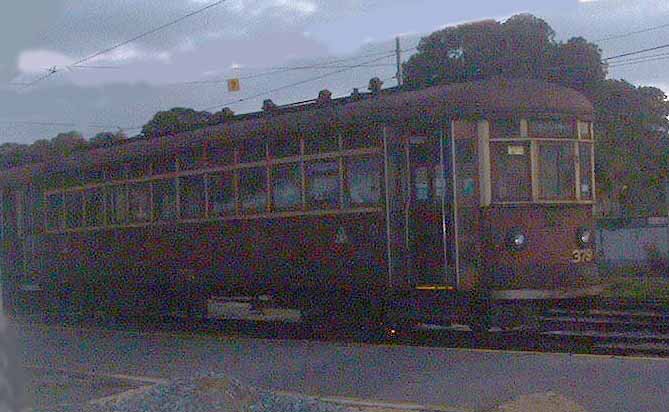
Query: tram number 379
column 581, row 255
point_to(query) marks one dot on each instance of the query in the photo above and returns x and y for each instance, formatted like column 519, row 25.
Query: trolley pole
column 398, row 58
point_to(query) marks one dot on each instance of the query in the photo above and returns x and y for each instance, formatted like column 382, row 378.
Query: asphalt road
column 466, row 379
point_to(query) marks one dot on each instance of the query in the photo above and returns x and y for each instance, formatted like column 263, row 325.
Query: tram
column 437, row 205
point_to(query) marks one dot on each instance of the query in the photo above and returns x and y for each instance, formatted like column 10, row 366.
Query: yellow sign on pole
column 233, row 85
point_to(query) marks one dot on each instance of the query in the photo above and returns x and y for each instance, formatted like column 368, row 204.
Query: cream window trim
column 206, row 196
column 303, row 177
column 590, row 132
column 340, row 162
column 545, row 202
column 524, row 128
column 235, row 184
column 236, row 166
column 236, row 217
column 483, row 131
column 456, row 228
column 577, row 166
column 534, row 170
column 592, row 176
column 63, row 213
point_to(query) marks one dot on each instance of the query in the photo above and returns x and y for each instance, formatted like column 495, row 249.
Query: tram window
column 465, row 151
column 220, row 155
column 552, row 128
column 74, row 209
column 361, row 139
column 191, row 196
column 137, row 169
column 363, row 181
column 164, row 200
column 286, row 186
column 93, row 176
column 72, row 178
column 284, row 147
column 221, row 194
column 139, row 202
column 321, row 144
column 505, row 129
column 253, row 189
column 585, row 159
column 322, row 181
column 252, row 150
column 439, row 184
column 584, row 130
column 191, row 158
column 510, row 172
column 39, row 208
column 163, row 165
column 115, row 172
column 557, row 178
column 421, row 182
column 117, row 204
column 54, row 211
column 53, row 181
column 95, row 208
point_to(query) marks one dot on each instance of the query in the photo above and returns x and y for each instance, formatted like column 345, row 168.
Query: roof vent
column 324, row 96
column 375, row 85
column 268, row 105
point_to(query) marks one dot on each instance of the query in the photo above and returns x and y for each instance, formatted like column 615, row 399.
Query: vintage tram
column 435, row 205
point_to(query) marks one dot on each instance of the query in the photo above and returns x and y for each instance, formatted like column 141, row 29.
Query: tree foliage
column 630, row 122
column 48, row 150
column 523, row 46
column 180, row 119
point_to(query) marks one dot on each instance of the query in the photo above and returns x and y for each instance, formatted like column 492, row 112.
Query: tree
column 632, row 148
column 65, row 144
column 42, row 150
column 176, row 120
column 523, row 46
column 106, row 139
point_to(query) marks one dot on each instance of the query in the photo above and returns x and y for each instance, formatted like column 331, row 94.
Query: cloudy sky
column 247, row 39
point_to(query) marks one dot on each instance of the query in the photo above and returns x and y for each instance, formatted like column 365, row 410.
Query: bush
column 658, row 263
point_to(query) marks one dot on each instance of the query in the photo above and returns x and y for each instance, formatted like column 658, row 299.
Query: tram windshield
column 546, row 160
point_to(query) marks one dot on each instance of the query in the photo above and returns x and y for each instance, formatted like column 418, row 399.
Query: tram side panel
column 553, row 259
column 157, row 267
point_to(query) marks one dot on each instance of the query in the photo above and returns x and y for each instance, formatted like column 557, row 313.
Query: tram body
column 416, row 202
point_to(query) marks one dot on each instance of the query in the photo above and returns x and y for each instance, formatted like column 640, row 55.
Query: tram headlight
column 584, row 236
column 516, row 239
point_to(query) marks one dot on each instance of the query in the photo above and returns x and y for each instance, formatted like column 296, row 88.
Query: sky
column 123, row 88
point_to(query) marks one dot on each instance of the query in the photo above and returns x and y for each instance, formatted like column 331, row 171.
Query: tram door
column 428, row 210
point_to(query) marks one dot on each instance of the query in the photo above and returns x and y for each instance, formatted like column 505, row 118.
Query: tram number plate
column 581, row 255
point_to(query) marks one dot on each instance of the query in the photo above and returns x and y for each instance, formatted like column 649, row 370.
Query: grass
column 635, row 284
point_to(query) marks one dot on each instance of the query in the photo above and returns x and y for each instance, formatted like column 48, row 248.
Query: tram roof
column 493, row 98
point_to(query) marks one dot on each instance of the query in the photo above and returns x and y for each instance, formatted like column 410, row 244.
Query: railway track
column 607, row 327
column 613, row 326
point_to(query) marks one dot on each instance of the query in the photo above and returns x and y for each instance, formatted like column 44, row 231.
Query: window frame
column 569, row 145
column 525, row 136
column 119, row 183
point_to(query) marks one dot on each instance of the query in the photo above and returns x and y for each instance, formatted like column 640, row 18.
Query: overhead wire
column 128, row 41
column 284, row 69
column 640, row 60
column 149, row 32
column 631, row 33
column 635, row 52
column 311, row 79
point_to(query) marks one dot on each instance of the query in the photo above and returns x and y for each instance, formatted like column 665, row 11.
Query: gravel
column 208, row 393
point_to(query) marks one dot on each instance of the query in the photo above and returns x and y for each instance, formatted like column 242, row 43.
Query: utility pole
column 398, row 58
